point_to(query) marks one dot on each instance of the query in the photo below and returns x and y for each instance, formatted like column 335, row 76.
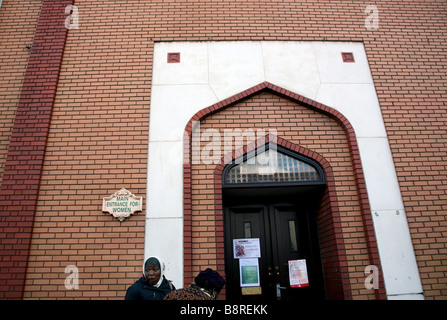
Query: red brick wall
column 103, row 94
column 24, row 161
column 17, row 25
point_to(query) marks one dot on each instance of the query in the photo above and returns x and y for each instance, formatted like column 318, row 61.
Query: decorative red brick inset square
column 347, row 57
column 174, row 57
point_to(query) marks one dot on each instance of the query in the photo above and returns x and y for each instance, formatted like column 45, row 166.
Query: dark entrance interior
column 282, row 215
column 286, row 228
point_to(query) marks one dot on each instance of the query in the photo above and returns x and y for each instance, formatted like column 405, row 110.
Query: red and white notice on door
column 298, row 273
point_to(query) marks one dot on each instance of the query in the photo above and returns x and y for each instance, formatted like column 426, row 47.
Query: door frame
column 334, row 264
column 277, row 192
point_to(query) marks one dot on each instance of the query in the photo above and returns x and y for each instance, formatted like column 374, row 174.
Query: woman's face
column 152, row 274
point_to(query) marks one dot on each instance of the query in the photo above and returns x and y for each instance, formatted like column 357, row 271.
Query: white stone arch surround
column 209, row 72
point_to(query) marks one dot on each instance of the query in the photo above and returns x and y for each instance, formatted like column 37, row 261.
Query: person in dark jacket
column 153, row 285
column 206, row 286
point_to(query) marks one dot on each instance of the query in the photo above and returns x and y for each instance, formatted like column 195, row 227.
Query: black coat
column 141, row 290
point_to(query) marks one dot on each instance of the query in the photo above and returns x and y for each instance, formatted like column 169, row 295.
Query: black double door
column 286, row 231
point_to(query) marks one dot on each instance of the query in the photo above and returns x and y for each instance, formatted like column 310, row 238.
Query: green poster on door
column 249, row 272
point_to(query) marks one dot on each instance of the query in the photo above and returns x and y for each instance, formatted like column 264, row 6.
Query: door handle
column 278, row 291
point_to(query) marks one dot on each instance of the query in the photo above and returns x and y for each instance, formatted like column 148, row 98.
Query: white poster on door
column 246, row 248
column 298, row 273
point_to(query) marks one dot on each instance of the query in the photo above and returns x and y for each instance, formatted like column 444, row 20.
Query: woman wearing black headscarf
column 153, row 285
column 206, row 286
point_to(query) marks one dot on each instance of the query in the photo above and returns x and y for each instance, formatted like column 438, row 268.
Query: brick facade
column 99, row 96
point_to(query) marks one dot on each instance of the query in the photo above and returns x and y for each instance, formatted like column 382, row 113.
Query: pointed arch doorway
column 271, row 196
column 335, row 257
